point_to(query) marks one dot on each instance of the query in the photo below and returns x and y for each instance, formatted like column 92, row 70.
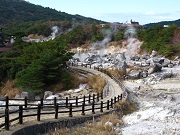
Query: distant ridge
column 176, row 22
column 20, row 10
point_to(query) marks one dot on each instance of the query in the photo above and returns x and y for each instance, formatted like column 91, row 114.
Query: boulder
column 159, row 60
column 38, row 97
column 120, row 57
column 24, row 94
column 134, row 74
column 155, row 68
column 166, row 62
column 153, row 54
column 122, row 65
column 145, row 56
column 144, row 74
column 170, row 65
column 17, row 96
column 47, row 94
column 135, row 58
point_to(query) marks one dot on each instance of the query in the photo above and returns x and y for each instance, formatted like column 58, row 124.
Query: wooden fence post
column 89, row 101
column 102, row 95
column 121, row 96
column 20, row 114
column 70, row 110
column 66, row 101
column 7, row 119
column 77, row 101
column 93, row 97
column 83, row 107
column 41, row 101
column 108, row 105
column 84, row 99
column 111, row 103
column 7, row 102
column 118, row 98
column 55, row 101
column 39, row 112
column 56, row 111
column 93, row 112
column 114, row 100
column 101, row 110
column 97, row 97
column 25, row 102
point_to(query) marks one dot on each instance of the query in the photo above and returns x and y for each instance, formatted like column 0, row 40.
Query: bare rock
column 144, row 74
column 122, row 65
column 135, row 58
column 24, row 94
column 145, row 56
column 155, row 68
column 47, row 94
column 166, row 62
column 37, row 97
column 134, row 74
column 17, row 96
column 153, row 54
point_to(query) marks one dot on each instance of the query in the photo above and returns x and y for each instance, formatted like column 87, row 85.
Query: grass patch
column 116, row 73
column 98, row 126
column 95, row 127
column 96, row 82
column 9, row 89
column 126, row 107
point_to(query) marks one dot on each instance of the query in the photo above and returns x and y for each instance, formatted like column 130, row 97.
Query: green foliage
column 158, row 38
column 119, row 36
column 76, row 36
column 31, row 78
column 12, row 10
column 37, row 65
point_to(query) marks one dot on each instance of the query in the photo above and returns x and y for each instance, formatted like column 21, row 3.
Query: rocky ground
column 159, row 106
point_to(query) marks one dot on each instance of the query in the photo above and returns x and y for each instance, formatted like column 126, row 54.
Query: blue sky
column 143, row 11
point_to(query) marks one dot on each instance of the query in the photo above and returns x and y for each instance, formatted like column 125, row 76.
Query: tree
column 42, row 65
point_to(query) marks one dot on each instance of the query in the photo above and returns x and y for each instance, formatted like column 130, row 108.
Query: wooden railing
column 90, row 103
column 86, row 105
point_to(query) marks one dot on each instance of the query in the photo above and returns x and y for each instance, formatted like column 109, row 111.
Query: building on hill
column 127, row 23
column 135, row 24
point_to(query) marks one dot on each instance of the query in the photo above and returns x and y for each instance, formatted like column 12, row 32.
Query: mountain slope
column 176, row 22
column 13, row 10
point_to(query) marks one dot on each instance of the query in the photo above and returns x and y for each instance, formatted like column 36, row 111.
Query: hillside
column 13, row 10
column 176, row 22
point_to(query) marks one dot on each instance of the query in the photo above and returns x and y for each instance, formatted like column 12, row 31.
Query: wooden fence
column 67, row 105
column 88, row 104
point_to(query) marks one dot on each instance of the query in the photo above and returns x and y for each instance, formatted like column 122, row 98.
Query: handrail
column 72, row 108
column 81, row 105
